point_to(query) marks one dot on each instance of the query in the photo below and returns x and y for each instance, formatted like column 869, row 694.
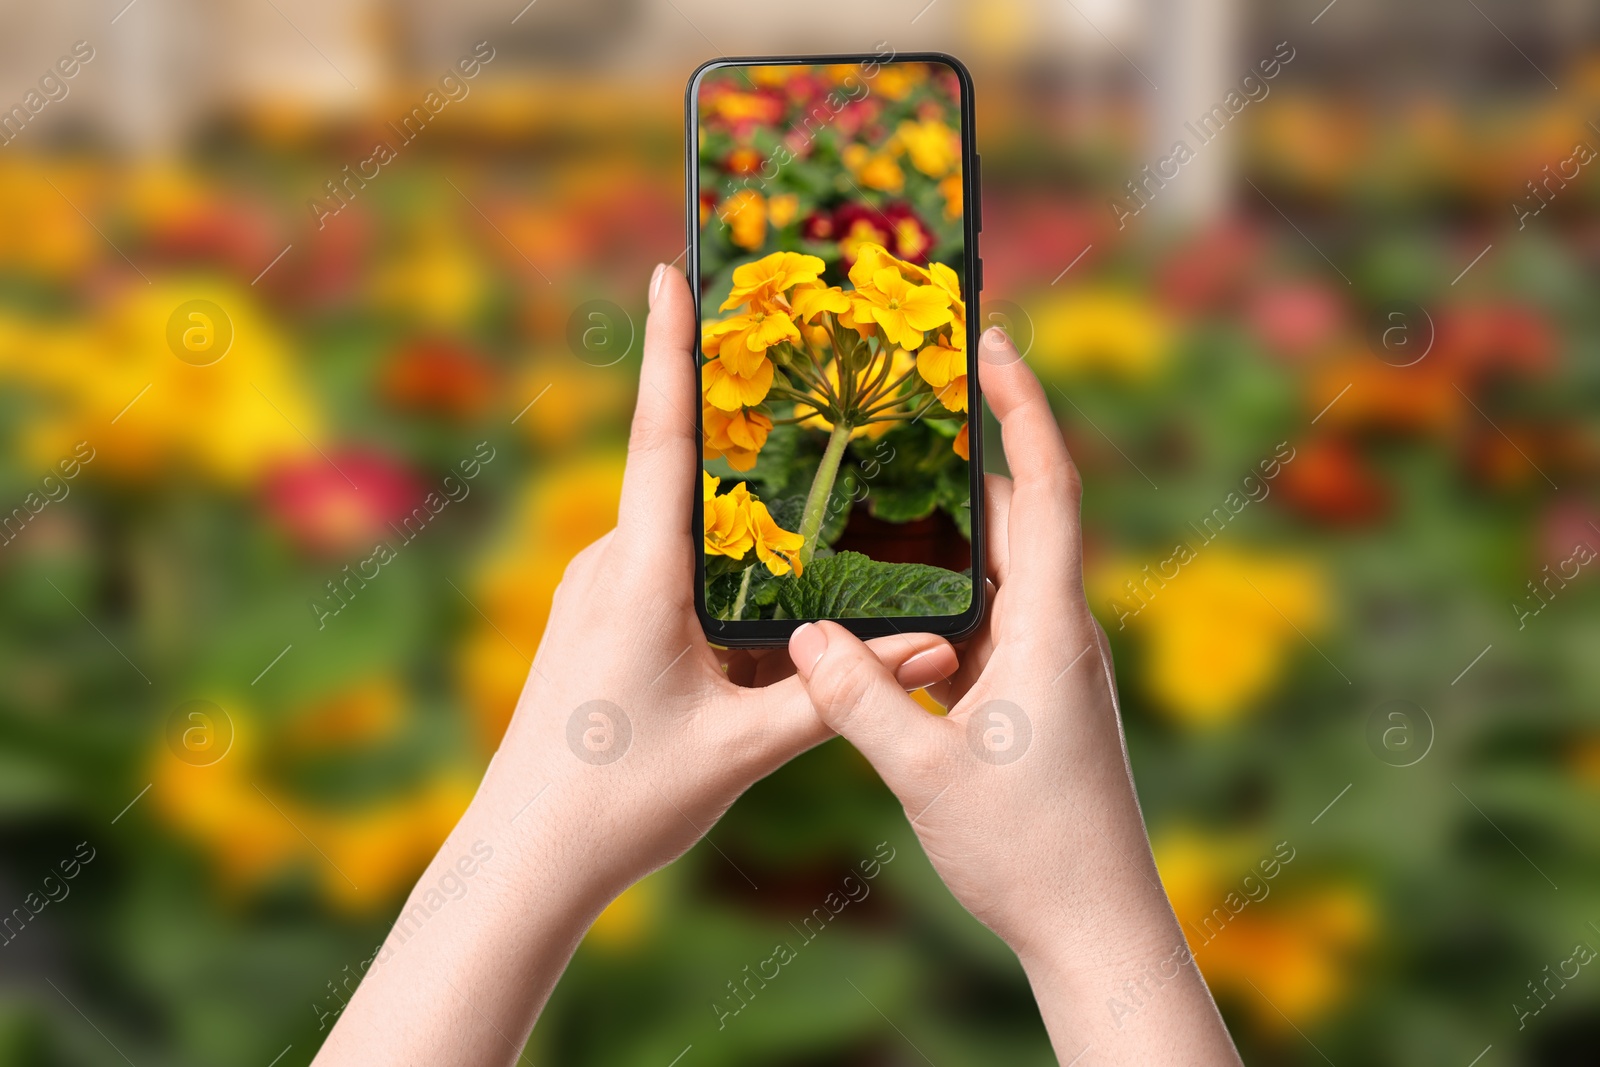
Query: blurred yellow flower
column 1219, row 630
column 255, row 830
column 1295, row 943
column 1101, row 330
column 118, row 382
column 745, row 213
column 950, row 189
column 782, row 209
column 41, row 232
column 932, row 146
column 434, row 276
column 878, row 171
column 626, row 919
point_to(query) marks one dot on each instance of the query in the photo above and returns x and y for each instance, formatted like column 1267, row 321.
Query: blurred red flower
column 1480, row 338
column 439, row 376
column 345, row 501
column 1294, row 318
column 1330, row 483
column 1210, row 270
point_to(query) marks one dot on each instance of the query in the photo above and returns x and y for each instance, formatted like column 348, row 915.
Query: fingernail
column 807, row 645
column 922, row 670
column 995, row 347
column 655, row 282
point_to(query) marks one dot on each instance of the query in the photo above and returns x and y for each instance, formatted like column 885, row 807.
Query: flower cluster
column 891, row 348
column 736, row 522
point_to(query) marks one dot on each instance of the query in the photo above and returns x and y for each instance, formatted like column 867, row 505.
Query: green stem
column 821, row 489
column 744, row 591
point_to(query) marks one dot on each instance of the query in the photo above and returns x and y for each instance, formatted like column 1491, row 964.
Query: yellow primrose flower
column 871, row 257
column 729, row 391
column 960, row 445
column 933, row 147
column 759, row 283
column 727, row 523
column 945, row 369
column 939, row 365
column 745, row 214
column 809, row 301
column 742, row 340
column 950, row 189
column 736, row 436
column 903, row 310
column 954, row 395
column 776, row 547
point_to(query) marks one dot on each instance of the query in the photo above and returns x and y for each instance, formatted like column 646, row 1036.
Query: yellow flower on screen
column 778, row 548
column 729, row 391
column 736, row 436
column 759, row 283
column 875, row 171
column 727, row 523
column 904, row 311
column 742, row 340
column 950, row 189
column 809, row 301
column 932, row 146
column 745, row 214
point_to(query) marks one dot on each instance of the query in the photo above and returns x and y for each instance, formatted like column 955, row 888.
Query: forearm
column 1117, row 982
column 463, row 975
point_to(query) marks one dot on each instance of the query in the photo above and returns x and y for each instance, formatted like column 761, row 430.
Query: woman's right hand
column 1022, row 794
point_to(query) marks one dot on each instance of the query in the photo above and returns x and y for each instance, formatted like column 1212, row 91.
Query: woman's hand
column 631, row 739
column 1022, row 795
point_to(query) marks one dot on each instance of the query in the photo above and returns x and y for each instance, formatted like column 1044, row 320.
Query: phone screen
column 832, row 271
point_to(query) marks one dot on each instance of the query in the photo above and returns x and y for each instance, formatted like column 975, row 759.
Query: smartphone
column 833, row 251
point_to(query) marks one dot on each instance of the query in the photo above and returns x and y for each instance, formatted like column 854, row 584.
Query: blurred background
column 1330, row 373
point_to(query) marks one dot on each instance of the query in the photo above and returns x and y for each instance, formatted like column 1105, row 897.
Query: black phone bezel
column 766, row 633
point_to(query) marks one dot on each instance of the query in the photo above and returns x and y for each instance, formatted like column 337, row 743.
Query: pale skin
column 1049, row 850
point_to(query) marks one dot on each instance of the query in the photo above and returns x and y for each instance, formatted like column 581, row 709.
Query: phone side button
column 977, row 193
column 980, row 274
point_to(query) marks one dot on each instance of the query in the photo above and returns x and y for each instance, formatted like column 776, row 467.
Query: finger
column 663, row 449
column 997, row 509
column 1046, row 488
column 915, row 660
column 858, row 697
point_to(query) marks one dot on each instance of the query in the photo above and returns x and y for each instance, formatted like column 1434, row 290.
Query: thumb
column 855, row 694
